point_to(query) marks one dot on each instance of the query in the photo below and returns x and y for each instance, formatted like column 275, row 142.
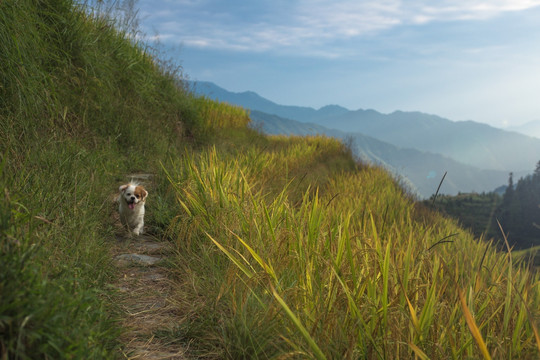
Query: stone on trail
column 138, row 259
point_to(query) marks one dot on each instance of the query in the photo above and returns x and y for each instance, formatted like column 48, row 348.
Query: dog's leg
column 139, row 228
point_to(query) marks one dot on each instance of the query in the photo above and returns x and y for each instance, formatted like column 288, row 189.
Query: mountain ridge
column 531, row 128
column 253, row 101
column 472, row 143
column 419, row 171
column 418, row 146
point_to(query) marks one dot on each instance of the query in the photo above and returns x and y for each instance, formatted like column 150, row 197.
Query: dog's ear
column 123, row 187
column 144, row 194
column 140, row 191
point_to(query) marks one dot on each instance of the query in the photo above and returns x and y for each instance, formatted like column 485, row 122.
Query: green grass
column 80, row 107
column 54, row 261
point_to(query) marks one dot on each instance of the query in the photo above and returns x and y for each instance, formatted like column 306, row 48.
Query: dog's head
column 133, row 194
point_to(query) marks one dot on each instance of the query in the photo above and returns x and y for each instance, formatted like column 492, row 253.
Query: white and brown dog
column 131, row 209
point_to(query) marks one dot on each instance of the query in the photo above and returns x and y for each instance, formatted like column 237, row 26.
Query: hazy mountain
column 253, row 101
column 420, row 171
column 531, row 128
column 468, row 142
column 417, row 146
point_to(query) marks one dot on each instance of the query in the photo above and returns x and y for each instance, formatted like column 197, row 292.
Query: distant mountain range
column 532, row 128
column 417, row 147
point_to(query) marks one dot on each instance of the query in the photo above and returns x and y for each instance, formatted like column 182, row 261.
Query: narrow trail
column 145, row 292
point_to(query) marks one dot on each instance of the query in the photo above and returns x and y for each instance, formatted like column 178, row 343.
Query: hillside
column 282, row 247
column 81, row 106
column 471, row 143
column 330, row 257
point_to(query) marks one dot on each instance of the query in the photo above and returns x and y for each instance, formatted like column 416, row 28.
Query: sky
column 459, row 59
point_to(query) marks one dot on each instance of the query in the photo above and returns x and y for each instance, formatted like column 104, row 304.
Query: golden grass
column 343, row 260
column 219, row 115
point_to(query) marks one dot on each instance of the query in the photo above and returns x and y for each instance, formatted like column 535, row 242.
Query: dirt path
column 145, row 293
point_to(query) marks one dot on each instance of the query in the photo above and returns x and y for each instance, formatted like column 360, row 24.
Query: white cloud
column 468, row 10
column 354, row 18
column 304, row 26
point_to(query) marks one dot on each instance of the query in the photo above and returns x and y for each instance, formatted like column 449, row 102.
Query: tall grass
column 345, row 266
column 218, row 115
column 54, row 262
column 81, row 105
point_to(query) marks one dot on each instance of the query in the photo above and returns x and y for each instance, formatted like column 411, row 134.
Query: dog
column 131, row 209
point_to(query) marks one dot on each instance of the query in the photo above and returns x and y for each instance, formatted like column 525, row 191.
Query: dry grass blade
column 531, row 319
column 473, row 327
column 237, row 262
column 414, row 318
column 505, row 238
column 442, row 241
column 438, row 188
column 418, row 352
column 312, row 344
column 267, row 267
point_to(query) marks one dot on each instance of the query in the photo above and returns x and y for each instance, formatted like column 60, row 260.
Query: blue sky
column 460, row 59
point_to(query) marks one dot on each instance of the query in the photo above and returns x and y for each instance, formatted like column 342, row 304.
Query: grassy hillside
column 283, row 253
column 80, row 107
column 286, row 247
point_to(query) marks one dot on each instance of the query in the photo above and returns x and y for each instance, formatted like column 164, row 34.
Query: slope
column 253, row 101
column 531, row 128
column 287, row 248
column 81, row 105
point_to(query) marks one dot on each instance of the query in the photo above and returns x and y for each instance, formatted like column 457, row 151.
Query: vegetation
column 343, row 265
column 476, row 212
column 519, row 213
column 516, row 214
column 80, row 107
column 286, row 247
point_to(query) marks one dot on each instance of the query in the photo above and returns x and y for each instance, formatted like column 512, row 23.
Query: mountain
column 419, row 171
column 532, row 128
column 417, row 147
column 468, row 142
column 253, row 101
